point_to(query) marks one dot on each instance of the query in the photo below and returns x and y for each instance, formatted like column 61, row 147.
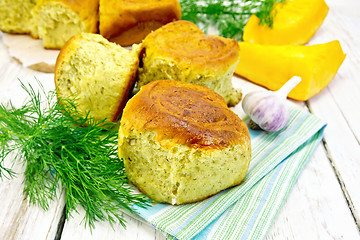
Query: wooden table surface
column 324, row 203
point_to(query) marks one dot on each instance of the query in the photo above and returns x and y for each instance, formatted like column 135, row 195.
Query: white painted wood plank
column 316, row 207
column 342, row 146
column 21, row 220
column 339, row 103
column 135, row 230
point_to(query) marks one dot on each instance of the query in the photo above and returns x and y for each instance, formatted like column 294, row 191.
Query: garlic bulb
column 268, row 109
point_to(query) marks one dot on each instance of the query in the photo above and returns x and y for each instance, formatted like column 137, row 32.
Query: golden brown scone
column 59, row 20
column 16, row 17
column 97, row 73
column 181, row 51
column 127, row 22
column 181, row 143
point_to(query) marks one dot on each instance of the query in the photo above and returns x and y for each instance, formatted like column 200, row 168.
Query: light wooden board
column 339, row 103
column 325, row 202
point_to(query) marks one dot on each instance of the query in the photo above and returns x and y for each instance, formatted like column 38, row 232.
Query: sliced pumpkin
column 295, row 22
column 271, row 66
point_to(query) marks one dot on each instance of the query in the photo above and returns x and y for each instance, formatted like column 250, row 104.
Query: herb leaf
column 228, row 17
column 47, row 136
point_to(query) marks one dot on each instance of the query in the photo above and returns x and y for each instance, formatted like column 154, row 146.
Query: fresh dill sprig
column 58, row 153
column 227, row 17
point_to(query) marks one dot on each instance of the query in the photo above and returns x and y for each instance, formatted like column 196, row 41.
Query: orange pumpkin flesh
column 271, row 66
column 295, row 22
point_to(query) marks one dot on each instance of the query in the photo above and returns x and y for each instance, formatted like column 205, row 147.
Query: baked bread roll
column 181, row 143
column 181, row 51
column 127, row 22
column 59, row 20
column 97, row 73
column 16, row 17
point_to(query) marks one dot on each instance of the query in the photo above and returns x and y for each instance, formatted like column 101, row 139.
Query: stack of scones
column 178, row 138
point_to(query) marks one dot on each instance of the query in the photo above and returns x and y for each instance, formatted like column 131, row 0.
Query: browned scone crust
column 127, row 22
column 184, row 42
column 188, row 114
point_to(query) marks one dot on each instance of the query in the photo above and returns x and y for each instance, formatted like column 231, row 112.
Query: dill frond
column 227, row 18
column 60, row 154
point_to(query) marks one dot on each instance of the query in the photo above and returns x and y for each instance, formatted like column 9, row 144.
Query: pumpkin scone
column 128, row 22
column 181, row 143
column 181, row 51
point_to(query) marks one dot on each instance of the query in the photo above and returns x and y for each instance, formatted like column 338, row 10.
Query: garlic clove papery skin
column 266, row 109
column 269, row 109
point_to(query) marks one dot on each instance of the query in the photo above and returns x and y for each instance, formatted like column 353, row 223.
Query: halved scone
column 97, row 73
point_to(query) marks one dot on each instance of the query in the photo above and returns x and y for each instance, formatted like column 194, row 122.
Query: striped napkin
column 248, row 210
